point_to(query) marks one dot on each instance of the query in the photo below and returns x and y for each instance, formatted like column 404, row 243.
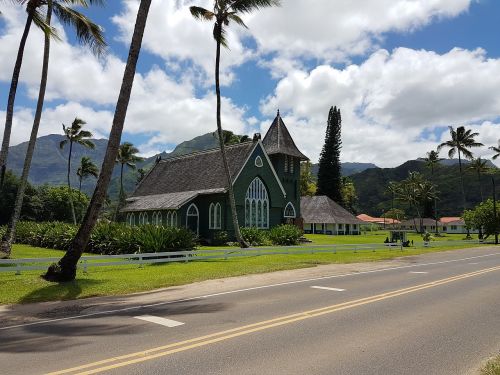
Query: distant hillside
column 371, row 187
column 347, row 168
column 49, row 164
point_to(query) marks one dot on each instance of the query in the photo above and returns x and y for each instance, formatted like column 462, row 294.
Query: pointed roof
column 279, row 141
column 321, row 209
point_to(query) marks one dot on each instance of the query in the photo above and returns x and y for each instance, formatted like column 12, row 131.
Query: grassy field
column 29, row 287
column 492, row 367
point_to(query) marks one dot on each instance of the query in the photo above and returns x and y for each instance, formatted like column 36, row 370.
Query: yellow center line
column 165, row 350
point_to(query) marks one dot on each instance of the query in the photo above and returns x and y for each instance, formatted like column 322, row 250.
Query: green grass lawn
column 492, row 367
column 29, row 287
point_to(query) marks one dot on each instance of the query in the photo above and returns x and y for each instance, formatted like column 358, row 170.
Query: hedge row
column 106, row 238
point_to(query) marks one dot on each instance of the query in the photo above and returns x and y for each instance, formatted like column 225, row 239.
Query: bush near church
column 106, row 238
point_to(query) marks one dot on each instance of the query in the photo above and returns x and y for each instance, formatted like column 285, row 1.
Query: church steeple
column 279, row 141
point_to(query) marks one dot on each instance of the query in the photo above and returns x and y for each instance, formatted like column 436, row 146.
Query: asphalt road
column 432, row 314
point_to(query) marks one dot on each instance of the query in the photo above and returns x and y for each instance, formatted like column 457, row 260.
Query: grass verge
column 116, row 280
column 492, row 367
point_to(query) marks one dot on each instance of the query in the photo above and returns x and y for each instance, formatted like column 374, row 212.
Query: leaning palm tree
column 86, row 169
column 496, row 150
column 94, row 37
column 75, row 134
column 127, row 156
column 432, row 161
column 86, row 31
column 224, row 12
column 480, row 167
column 460, row 143
column 65, row 269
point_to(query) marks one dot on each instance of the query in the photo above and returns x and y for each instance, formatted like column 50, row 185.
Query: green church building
column 190, row 190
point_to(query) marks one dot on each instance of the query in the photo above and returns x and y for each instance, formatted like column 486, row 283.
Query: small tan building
column 321, row 215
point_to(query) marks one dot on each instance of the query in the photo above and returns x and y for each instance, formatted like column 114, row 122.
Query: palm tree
column 224, row 12
column 6, row 243
column 75, row 134
column 432, row 161
column 126, row 157
column 480, row 167
column 65, row 269
column 86, row 169
column 495, row 149
column 87, row 33
column 461, row 141
column 416, row 191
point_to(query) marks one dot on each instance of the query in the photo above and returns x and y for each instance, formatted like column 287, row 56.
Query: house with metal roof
column 190, row 190
column 322, row 215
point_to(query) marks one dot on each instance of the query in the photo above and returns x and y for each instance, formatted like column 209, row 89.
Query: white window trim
column 289, row 204
column 188, row 215
column 211, row 214
column 259, row 163
column 218, row 216
column 257, row 193
column 173, row 219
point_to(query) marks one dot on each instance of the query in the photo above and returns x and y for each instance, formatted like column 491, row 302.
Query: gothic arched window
column 257, row 205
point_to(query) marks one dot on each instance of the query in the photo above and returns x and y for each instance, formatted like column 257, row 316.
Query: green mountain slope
column 371, row 186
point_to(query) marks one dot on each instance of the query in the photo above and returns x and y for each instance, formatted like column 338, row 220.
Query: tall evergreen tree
column 329, row 174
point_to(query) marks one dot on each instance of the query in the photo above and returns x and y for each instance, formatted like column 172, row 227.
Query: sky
column 401, row 72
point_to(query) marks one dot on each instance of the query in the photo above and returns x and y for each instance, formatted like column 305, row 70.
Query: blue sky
column 401, row 72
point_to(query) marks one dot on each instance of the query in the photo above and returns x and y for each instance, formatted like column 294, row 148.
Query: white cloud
column 167, row 110
column 336, row 30
column 389, row 100
column 173, row 34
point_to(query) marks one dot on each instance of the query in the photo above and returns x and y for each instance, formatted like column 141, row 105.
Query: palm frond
column 234, row 17
column 220, row 36
column 248, row 6
column 85, row 134
column 201, row 13
column 39, row 19
column 62, row 144
column 86, row 143
column 87, row 32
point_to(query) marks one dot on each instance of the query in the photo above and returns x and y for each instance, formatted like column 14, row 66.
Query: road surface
column 431, row 314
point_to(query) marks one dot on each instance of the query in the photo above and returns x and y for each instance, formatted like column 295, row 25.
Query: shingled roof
column 169, row 201
column 279, row 141
column 321, row 209
column 174, row 181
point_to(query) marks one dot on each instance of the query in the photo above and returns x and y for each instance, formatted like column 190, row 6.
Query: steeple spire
column 279, row 141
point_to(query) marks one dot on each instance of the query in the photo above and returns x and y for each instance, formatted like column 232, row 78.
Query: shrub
column 254, row 236
column 220, row 238
column 285, row 235
column 106, row 238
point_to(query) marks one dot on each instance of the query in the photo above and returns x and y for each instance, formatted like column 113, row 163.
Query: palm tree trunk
column 8, row 239
column 480, row 186
column 461, row 179
column 12, row 96
column 435, row 203
column 69, row 184
column 463, row 186
column 120, row 194
column 121, row 181
column 229, row 182
column 80, row 184
column 65, row 269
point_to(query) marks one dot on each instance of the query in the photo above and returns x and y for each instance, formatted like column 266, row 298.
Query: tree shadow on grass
column 61, row 291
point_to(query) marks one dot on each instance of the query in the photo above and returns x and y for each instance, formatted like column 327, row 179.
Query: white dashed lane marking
column 158, row 320
column 326, row 288
column 419, row 272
